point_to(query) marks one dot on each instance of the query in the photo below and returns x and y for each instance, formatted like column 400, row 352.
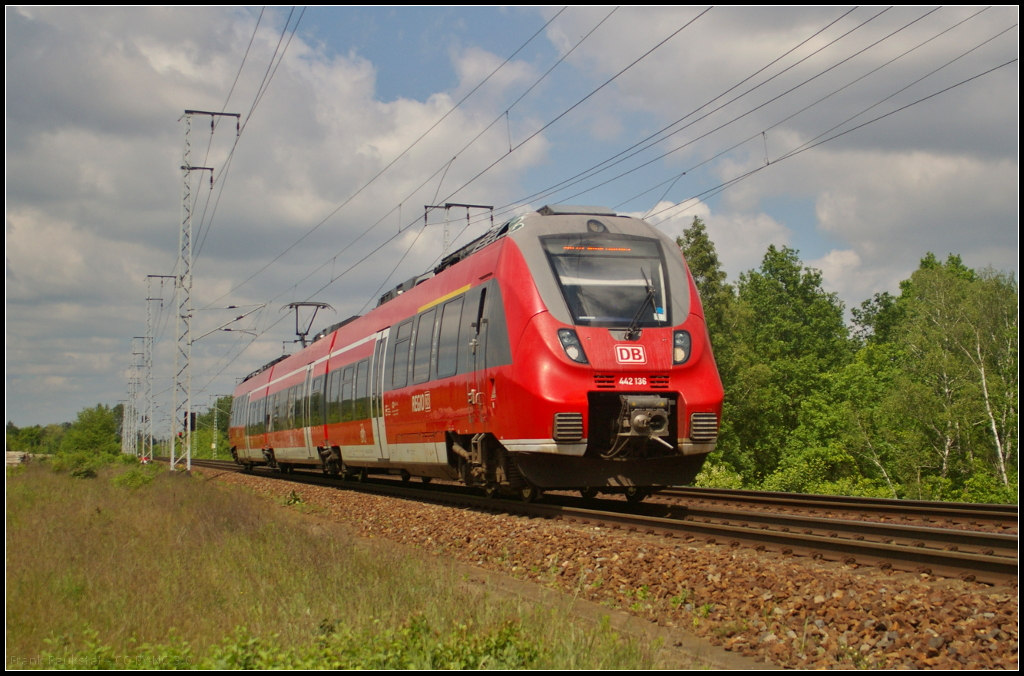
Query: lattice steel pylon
column 148, row 360
column 130, row 411
column 181, row 429
column 138, row 357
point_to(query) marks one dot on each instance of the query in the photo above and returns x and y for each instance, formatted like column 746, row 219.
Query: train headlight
column 680, row 347
column 571, row 344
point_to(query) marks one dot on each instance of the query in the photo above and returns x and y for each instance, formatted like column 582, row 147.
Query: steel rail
column 982, row 567
column 1001, row 514
column 914, row 536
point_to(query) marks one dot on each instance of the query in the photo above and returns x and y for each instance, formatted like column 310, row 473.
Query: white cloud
column 740, row 239
column 94, row 96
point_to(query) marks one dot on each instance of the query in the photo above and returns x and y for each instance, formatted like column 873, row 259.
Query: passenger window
column 316, row 402
column 362, row 408
column 288, row 405
column 400, row 363
column 346, row 393
column 298, row 416
column 275, row 412
column 424, row 336
column 448, row 338
column 334, row 398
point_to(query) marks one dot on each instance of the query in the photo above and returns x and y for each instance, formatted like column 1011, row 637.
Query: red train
column 564, row 349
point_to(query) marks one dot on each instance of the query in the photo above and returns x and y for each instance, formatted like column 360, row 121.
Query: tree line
column 97, row 430
column 917, row 399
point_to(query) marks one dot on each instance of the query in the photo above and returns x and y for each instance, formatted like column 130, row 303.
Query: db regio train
column 565, row 349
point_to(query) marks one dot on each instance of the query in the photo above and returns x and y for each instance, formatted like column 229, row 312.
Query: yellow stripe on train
column 443, row 298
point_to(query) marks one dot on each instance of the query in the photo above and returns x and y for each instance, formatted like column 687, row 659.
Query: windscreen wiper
column 633, row 330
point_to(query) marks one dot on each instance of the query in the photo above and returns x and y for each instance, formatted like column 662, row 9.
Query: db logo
column 630, row 354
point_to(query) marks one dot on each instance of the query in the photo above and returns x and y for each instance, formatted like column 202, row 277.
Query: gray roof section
column 567, row 210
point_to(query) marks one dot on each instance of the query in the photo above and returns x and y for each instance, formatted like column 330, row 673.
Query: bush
column 983, row 486
column 719, row 475
column 80, row 464
column 134, row 478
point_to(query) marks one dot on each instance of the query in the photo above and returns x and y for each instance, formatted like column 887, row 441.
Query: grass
column 136, row 567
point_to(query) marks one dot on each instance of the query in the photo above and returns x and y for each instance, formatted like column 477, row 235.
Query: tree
column 786, row 333
column 877, row 319
column 702, row 259
column 95, row 431
column 960, row 331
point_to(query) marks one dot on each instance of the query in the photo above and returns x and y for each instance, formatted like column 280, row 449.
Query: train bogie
column 565, row 349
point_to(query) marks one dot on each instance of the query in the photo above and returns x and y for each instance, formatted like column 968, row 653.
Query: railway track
column 942, row 513
column 969, row 555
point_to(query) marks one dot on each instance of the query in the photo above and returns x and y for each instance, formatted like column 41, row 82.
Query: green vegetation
column 35, row 439
column 96, row 431
column 203, row 436
column 141, row 568
column 918, row 401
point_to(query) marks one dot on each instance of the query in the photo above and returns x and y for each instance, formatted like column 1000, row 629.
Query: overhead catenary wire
column 658, row 133
column 394, row 270
column 545, row 126
column 390, row 164
column 748, row 112
column 600, row 167
column 689, row 169
column 688, row 23
column 612, row 160
column 836, row 91
column 264, row 86
column 577, row 104
column 804, row 147
column 506, row 208
column 736, row 179
column 551, row 122
column 216, row 120
column 444, row 168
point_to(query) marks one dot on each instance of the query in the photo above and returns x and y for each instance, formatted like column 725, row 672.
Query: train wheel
column 635, row 495
column 491, row 490
column 405, row 477
column 588, row 493
column 247, row 468
column 530, row 493
column 362, row 475
column 425, row 479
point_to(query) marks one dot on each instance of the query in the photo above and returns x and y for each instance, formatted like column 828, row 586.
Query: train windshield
column 608, row 280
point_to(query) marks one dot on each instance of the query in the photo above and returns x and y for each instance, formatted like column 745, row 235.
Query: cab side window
column 400, row 361
column 448, row 338
column 424, row 340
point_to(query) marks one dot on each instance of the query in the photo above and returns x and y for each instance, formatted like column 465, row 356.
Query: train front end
column 614, row 383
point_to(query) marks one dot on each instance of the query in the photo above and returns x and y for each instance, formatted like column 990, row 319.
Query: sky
column 862, row 137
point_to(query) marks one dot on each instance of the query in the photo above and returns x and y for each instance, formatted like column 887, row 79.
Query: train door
column 477, row 395
column 377, row 417
column 304, row 422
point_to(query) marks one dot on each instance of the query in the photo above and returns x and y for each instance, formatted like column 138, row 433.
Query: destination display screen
column 609, row 280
